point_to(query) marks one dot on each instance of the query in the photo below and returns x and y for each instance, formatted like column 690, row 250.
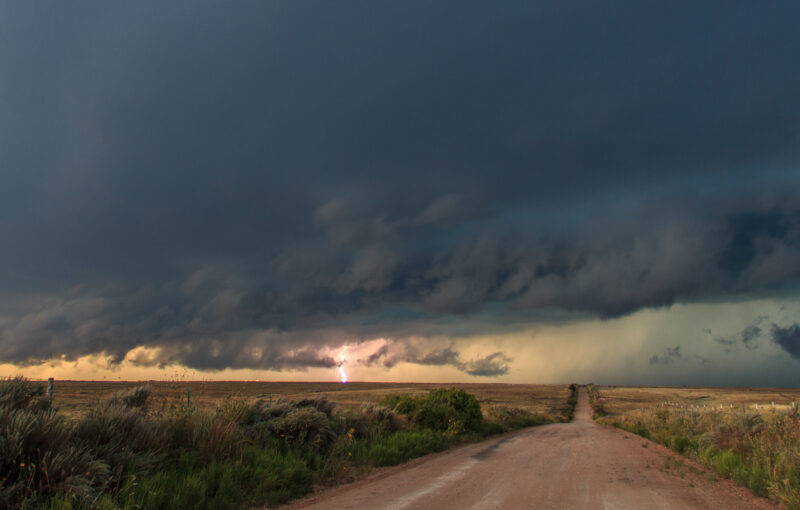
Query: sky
column 527, row 192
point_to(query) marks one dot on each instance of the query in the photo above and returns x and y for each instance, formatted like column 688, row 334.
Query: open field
column 618, row 400
column 236, row 445
column 73, row 397
column 736, row 431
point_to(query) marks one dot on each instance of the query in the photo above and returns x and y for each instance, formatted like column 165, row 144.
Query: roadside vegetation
column 128, row 452
column 758, row 450
column 597, row 403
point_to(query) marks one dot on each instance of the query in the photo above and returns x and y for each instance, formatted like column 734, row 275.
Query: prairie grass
column 759, row 450
column 134, row 450
column 74, row 398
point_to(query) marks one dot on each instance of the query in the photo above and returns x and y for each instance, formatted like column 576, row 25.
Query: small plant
column 452, row 410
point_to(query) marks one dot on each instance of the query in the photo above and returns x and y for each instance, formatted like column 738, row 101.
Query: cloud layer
column 247, row 187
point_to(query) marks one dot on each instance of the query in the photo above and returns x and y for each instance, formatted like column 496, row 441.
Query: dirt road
column 577, row 465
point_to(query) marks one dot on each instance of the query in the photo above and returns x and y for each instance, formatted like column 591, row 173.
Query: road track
column 576, row 465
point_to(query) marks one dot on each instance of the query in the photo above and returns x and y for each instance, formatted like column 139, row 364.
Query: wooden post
column 188, row 396
column 50, row 389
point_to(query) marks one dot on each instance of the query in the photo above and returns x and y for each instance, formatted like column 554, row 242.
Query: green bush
column 452, row 410
column 682, row 444
column 403, row 404
column 304, row 426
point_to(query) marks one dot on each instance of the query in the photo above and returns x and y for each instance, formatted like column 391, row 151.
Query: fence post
column 188, row 396
column 50, row 388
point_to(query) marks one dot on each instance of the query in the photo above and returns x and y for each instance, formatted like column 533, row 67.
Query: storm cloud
column 788, row 338
column 492, row 365
column 669, row 355
column 243, row 186
column 748, row 337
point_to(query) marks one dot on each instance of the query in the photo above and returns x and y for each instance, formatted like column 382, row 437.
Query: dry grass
column 74, row 397
column 758, row 447
column 618, row 400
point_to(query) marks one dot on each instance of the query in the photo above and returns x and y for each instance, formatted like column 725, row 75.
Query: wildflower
column 21, row 464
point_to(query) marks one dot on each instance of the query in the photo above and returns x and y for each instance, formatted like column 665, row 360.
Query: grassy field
column 74, row 397
column 747, row 439
column 618, row 400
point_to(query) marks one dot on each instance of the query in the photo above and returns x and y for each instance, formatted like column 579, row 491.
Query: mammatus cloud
column 788, row 338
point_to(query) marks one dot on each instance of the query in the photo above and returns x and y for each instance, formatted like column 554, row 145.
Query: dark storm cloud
column 669, row 355
column 748, row 337
column 493, row 365
column 241, row 185
column 788, row 338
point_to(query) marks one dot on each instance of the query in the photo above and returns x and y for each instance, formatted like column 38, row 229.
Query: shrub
column 515, row 418
column 37, row 459
column 137, row 397
column 120, row 436
column 305, row 427
column 351, row 422
column 682, row 444
column 452, row 410
column 381, row 419
column 19, row 393
column 403, row 404
column 321, row 404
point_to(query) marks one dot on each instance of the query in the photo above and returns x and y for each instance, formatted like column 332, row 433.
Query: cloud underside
column 480, row 281
column 788, row 338
column 255, row 192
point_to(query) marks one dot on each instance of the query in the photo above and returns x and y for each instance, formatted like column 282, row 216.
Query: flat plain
column 73, row 397
column 618, row 400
